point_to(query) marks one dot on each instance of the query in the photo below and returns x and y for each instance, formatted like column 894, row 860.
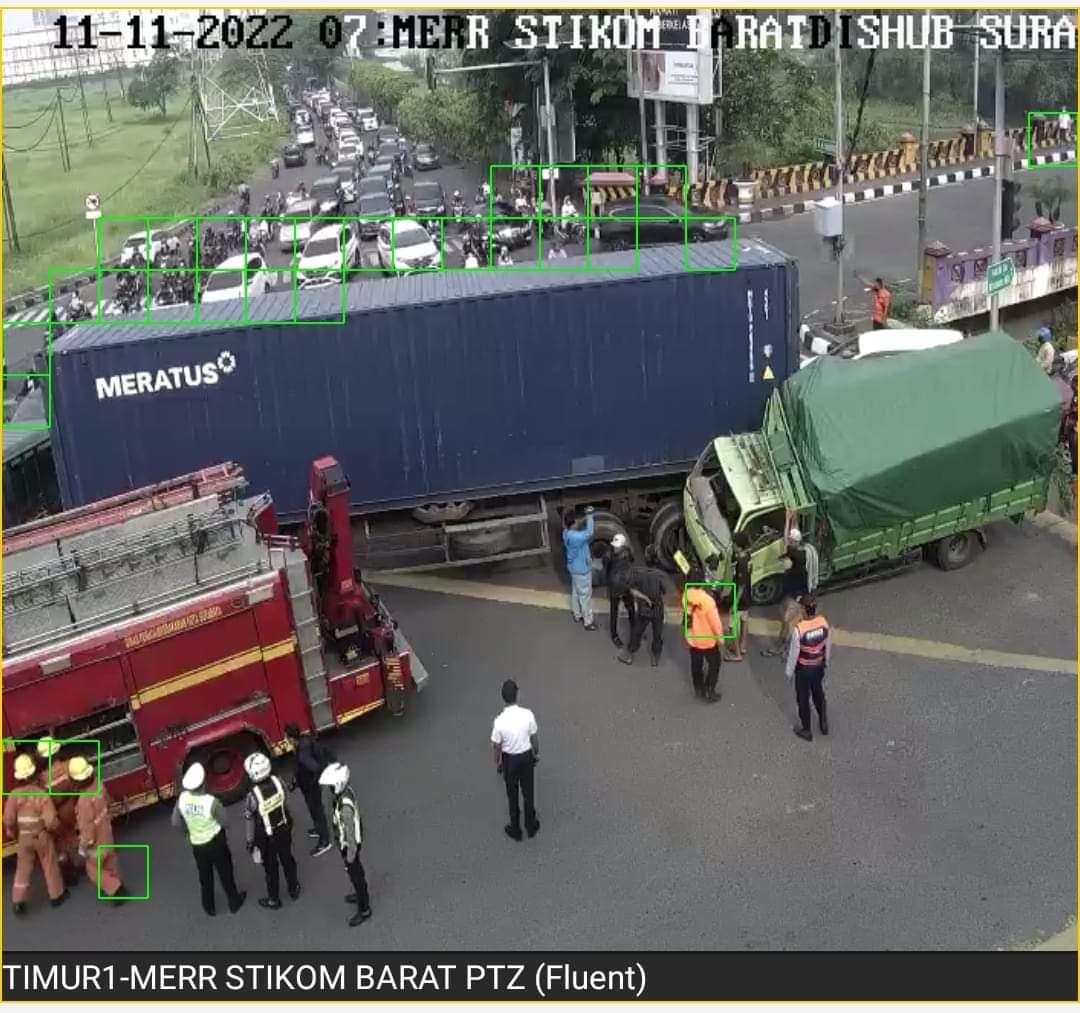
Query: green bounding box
column 124, row 847
column 528, row 174
column 707, row 229
column 686, row 615
column 96, row 760
column 1030, row 155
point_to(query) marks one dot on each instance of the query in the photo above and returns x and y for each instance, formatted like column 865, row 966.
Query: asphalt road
column 940, row 813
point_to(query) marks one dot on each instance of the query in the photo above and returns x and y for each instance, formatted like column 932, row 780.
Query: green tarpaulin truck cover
column 885, row 440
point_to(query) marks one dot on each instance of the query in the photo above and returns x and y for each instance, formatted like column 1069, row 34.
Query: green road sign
column 1000, row 275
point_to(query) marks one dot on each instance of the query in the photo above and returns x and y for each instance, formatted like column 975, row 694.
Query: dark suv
column 660, row 220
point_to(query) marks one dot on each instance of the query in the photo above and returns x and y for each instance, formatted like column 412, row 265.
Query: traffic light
column 1010, row 208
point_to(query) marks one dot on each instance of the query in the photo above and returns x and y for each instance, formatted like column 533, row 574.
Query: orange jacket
column 704, row 628
column 92, row 813
column 882, row 302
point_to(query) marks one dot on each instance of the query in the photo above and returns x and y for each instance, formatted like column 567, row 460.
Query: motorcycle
column 457, row 209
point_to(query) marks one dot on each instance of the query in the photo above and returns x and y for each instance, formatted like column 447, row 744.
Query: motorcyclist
column 505, row 260
column 471, row 261
column 569, row 210
column 301, row 189
column 245, row 198
column 77, row 309
column 1046, row 353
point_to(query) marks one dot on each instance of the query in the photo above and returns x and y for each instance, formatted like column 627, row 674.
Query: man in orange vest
column 95, row 828
column 704, row 631
column 30, row 818
column 882, row 301
column 808, row 656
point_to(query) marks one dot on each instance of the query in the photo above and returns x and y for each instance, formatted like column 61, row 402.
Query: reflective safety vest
column 271, row 806
column 813, row 636
column 196, row 810
column 343, row 801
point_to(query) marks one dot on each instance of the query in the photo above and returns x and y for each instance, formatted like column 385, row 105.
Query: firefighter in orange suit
column 54, row 779
column 808, row 656
column 31, row 820
column 95, row 828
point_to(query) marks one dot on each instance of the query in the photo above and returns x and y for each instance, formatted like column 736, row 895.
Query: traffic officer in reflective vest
column 269, row 830
column 30, row 818
column 348, row 830
column 808, row 656
column 95, row 828
column 202, row 816
column 55, row 780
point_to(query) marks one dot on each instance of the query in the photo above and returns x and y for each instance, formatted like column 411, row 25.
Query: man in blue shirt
column 576, row 535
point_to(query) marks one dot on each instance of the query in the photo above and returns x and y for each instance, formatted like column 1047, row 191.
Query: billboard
column 684, row 76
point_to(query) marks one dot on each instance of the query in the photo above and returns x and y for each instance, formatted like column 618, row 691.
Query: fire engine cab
column 174, row 623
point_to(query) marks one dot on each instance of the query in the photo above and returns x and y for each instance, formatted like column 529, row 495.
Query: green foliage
column 155, row 83
column 380, row 87
column 1047, row 192
column 449, row 118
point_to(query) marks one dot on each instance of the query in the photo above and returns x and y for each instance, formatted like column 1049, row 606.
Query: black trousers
column 518, row 774
column 215, row 854
column 313, row 797
column 643, row 619
column 808, row 686
column 355, row 869
column 627, row 600
column 705, row 668
column 277, row 850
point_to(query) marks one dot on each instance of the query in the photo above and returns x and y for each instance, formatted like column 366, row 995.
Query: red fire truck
column 174, row 624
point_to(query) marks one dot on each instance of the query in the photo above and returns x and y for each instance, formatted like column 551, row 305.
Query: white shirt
column 1064, row 120
column 513, row 728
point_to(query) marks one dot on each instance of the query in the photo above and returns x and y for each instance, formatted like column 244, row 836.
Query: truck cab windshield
column 716, row 506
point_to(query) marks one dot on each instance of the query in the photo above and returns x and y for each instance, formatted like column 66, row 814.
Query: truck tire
column 606, row 526
column 482, row 542
column 224, row 763
column 767, row 591
column 668, row 537
column 662, row 515
column 955, row 551
column 443, row 513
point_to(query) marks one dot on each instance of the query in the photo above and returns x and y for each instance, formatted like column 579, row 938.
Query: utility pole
column 999, row 165
column 550, row 135
column 105, row 86
column 924, row 144
column 61, row 133
column 641, row 118
column 9, row 213
column 82, row 102
column 838, row 315
column 975, row 91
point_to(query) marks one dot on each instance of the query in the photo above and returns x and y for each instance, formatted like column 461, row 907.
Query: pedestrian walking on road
column 740, row 604
column 516, row 744
column 269, row 830
column 348, row 836
column 95, row 829
column 1064, row 125
column 55, row 780
column 30, row 819
column 881, row 301
column 647, row 587
column 617, row 568
column 576, row 535
column 809, row 654
column 312, row 758
column 704, row 632
column 203, row 817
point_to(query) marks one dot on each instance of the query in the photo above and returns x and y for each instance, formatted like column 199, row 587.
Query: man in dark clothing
column 740, row 603
column 312, row 758
column 269, row 830
column 618, row 566
column 647, row 587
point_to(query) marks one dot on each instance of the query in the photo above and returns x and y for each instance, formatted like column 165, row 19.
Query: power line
column 48, row 127
column 30, row 123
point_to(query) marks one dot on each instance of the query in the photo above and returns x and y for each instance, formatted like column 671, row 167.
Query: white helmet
column 795, row 536
column 619, row 541
column 335, row 776
column 257, row 766
column 194, row 777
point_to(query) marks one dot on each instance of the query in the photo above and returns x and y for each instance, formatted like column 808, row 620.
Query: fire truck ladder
column 286, row 556
column 94, row 580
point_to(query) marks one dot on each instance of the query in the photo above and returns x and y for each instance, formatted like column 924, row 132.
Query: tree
column 155, row 82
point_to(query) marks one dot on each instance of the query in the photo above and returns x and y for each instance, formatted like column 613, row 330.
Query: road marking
column 935, row 650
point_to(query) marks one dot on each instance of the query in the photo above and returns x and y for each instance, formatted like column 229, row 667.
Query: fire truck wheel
column 224, row 763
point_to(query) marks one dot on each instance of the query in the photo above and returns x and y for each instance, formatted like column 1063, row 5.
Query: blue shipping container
column 436, row 386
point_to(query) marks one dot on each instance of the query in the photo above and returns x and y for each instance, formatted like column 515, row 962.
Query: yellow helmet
column 24, row 767
column 47, row 747
column 79, row 769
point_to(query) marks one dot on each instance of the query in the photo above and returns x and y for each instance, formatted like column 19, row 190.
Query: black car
column 293, row 155
column 425, row 157
column 385, row 167
column 659, row 220
column 371, row 185
column 428, row 198
column 328, row 195
column 376, row 206
column 510, row 228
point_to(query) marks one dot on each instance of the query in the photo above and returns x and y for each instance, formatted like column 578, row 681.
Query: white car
column 324, row 252
column 413, row 248
column 350, row 153
column 302, row 118
column 295, row 225
column 137, row 241
column 367, row 119
column 305, row 137
column 227, row 279
column 887, row 341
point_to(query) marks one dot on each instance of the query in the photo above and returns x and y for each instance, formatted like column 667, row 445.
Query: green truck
column 882, row 461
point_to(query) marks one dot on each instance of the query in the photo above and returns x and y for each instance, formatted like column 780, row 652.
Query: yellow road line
column 936, row 650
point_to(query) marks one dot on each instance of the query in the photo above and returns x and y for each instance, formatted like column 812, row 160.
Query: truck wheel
column 605, row 527
column 224, row 764
column 767, row 591
column 482, row 542
column 443, row 513
column 669, row 537
column 955, row 551
column 662, row 515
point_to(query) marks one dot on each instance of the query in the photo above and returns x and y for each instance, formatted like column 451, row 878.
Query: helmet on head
column 257, row 766
column 24, row 767
column 618, row 541
column 47, row 746
column 194, row 777
column 80, row 769
column 1045, row 333
column 335, row 776
column 795, row 536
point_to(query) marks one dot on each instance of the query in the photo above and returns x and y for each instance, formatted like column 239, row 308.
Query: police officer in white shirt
column 516, row 744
